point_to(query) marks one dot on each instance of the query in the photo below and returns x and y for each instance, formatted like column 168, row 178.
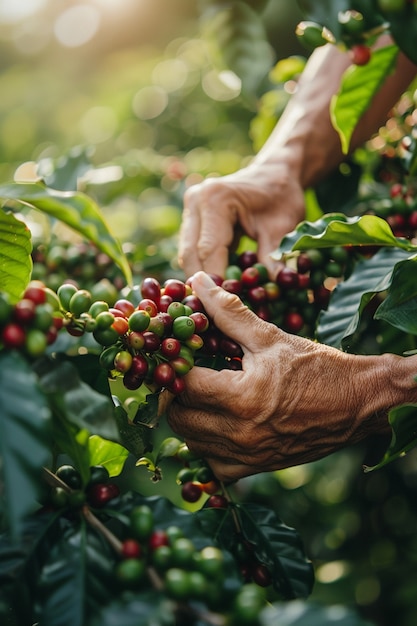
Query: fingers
column 231, row 316
column 207, row 230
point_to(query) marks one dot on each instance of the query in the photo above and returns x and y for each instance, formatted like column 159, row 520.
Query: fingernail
column 204, row 279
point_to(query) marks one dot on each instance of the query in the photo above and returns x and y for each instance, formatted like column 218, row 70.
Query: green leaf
column 348, row 300
column 276, row 545
column 241, row 43
column 403, row 420
column 77, row 577
column 103, row 452
column 335, row 229
column 78, row 402
column 24, row 438
column 15, row 255
column 299, row 613
column 403, row 27
column 357, row 90
column 400, row 305
column 75, row 209
column 19, row 561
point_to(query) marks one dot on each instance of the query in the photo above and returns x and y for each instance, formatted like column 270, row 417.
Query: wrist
column 381, row 383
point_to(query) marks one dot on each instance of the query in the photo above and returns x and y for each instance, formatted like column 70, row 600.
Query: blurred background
column 129, row 101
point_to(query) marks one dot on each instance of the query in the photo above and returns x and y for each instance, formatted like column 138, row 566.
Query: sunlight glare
column 16, row 10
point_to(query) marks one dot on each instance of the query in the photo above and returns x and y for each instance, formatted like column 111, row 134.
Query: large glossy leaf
column 403, row 26
column 336, row 229
column 103, row 452
column 73, row 208
column 241, row 41
column 299, row 613
column 19, row 562
column 403, row 420
column 24, row 438
column 357, row 90
column 348, row 300
column 76, row 578
column 15, row 255
column 399, row 308
column 276, row 545
column 80, row 403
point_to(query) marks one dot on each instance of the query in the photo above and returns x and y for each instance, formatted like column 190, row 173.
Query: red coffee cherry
column 24, row 311
column 158, row 538
column 13, row 336
column 360, row 54
column 217, row 501
column 100, row 494
column 131, row 549
column 191, row 492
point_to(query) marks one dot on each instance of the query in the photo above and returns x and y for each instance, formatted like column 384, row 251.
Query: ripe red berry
column 293, row 322
column 178, row 386
column 200, row 320
column 13, row 336
column 151, row 289
column 250, row 277
column 233, row 285
column 149, row 306
column 24, row 311
column 170, row 347
column 175, row 288
column 163, row 375
column 125, row 306
column 157, row 539
column 247, row 258
column 261, row 575
column 35, row 291
column 288, row 278
column 191, row 492
column 131, row 549
column 217, row 501
column 360, row 54
column 100, row 494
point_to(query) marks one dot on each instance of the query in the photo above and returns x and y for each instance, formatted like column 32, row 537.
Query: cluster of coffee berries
column 399, row 210
column 30, row 325
column 292, row 301
column 167, row 557
column 152, row 343
column 54, row 262
column 72, row 494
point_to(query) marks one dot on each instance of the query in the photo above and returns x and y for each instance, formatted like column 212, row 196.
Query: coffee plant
column 93, row 350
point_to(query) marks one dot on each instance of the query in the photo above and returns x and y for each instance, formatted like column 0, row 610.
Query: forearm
column 304, row 136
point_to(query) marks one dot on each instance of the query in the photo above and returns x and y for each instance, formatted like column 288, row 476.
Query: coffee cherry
column 139, row 366
column 313, row 35
column 247, row 259
column 130, row 572
column 141, row 522
column 162, row 558
column 250, row 277
column 360, row 54
column 132, row 381
column 24, row 311
column 157, row 538
column 139, row 320
column 261, row 575
column 80, row 302
column 183, row 551
column 191, row 492
column 170, row 347
column 120, row 325
column 123, row 361
column 177, row 583
column 217, row 501
column 35, row 291
column 287, row 278
column 35, row 342
column 152, row 341
column 175, row 288
column 99, row 494
column 131, row 549
column 151, row 289
column 104, row 320
column 200, row 320
column 135, row 340
column 13, row 336
column 149, row 306
column 183, row 327
column 70, row 476
column 65, row 293
column 125, row 306
column 163, row 375
column 293, row 322
column 98, row 474
column 233, row 285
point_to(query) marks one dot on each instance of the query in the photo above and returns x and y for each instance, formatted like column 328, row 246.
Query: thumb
column 227, row 311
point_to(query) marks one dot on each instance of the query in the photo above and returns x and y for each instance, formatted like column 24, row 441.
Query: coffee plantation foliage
column 105, row 515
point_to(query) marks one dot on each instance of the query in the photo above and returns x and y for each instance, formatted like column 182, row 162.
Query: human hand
column 264, row 202
column 294, row 401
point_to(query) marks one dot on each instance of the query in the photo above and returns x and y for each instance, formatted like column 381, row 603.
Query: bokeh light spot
column 77, row 25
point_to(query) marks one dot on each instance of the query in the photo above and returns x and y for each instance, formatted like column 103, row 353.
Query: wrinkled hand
column 294, row 400
column 264, row 203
